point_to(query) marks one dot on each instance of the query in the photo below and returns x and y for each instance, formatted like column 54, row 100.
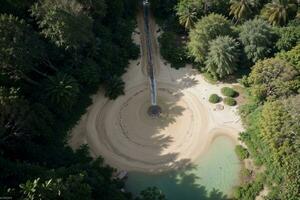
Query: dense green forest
column 55, row 53
column 258, row 44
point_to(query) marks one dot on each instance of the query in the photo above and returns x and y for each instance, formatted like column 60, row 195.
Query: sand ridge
column 122, row 132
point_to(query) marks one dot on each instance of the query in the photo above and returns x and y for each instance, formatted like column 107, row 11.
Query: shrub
column 172, row 49
column 229, row 92
column 244, row 81
column 114, row 87
column 214, row 98
column 230, row 101
column 246, row 173
column 248, row 191
column 241, row 152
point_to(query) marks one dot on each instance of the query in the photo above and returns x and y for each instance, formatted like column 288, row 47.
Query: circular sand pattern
column 123, row 133
column 128, row 138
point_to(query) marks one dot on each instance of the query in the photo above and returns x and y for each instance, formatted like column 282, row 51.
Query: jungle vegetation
column 256, row 43
column 53, row 56
column 55, row 53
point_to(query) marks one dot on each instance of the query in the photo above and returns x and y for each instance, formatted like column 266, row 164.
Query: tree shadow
column 179, row 185
column 188, row 82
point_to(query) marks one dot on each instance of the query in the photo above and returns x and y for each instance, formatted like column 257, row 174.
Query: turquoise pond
column 212, row 177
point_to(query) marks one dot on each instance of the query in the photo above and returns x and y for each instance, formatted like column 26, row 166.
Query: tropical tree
column 223, row 56
column 171, row 50
column 8, row 95
column 71, row 188
column 289, row 36
column 114, row 87
column 257, row 38
column 19, row 119
column 272, row 79
column 188, row 12
column 64, row 22
column 62, row 90
column 88, row 74
column 21, row 49
column 292, row 56
column 215, row 6
column 151, row 193
column 206, row 29
column 32, row 128
column 12, row 115
column 279, row 11
column 280, row 133
column 16, row 7
column 97, row 8
column 240, row 9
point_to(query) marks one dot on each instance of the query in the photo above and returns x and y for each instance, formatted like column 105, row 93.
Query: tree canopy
column 241, row 9
column 62, row 90
column 53, row 56
column 64, row 23
column 207, row 29
column 223, row 56
column 278, row 12
column 256, row 36
column 188, row 12
column 21, row 48
column 151, row 193
column 289, row 37
column 280, row 130
column 292, row 56
column 273, row 78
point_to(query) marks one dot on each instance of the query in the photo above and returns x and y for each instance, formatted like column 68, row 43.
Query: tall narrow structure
column 154, row 110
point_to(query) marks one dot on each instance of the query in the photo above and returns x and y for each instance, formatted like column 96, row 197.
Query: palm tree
column 62, row 90
column 187, row 12
column 223, row 56
column 240, row 9
column 279, row 11
column 188, row 18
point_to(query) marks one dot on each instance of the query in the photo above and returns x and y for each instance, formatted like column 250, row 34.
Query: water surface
column 212, row 176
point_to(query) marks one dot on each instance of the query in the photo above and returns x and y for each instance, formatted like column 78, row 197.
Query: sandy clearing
column 127, row 138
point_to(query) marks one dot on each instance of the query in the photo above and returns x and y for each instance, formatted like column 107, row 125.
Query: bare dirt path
column 155, row 49
column 122, row 132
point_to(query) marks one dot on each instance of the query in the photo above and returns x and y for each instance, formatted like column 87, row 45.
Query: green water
column 212, row 177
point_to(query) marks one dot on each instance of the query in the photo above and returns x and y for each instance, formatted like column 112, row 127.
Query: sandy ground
column 122, row 132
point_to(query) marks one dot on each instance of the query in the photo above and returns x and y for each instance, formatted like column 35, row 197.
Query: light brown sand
column 122, row 132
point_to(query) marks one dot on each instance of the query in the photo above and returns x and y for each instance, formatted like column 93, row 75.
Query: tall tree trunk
column 49, row 64
column 40, row 73
column 29, row 80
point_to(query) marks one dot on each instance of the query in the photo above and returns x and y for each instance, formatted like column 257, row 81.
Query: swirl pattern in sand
column 128, row 137
column 122, row 132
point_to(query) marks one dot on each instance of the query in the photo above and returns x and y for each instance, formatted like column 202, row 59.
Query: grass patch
column 209, row 78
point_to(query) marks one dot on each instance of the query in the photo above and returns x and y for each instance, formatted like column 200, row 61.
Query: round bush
column 214, row 98
column 229, row 92
column 230, row 101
